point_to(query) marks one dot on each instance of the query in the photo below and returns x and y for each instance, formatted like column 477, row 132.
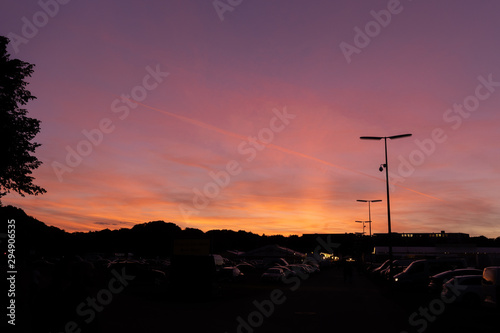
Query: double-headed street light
column 386, row 166
column 363, row 233
column 369, row 212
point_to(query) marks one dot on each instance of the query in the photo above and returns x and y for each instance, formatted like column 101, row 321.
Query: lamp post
column 363, row 233
column 386, row 166
column 369, row 211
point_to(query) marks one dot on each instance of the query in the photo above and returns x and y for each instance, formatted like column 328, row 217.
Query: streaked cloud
column 225, row 80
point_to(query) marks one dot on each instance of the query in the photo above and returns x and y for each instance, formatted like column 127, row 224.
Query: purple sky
column 253, row 122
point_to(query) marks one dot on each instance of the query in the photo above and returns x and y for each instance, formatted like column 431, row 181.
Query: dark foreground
column 320, row 303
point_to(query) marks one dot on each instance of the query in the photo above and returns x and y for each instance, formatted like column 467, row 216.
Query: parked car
column 218, row 260
column 375, row 272
column 270, row 262
column 300, row 270
column 491, row 285
column 466, row 288
column 287, row 270
column 311, row 268
column 246, row 268
column 313, row 263
column 419, row 272
column 273, row 274
column 437, row 281
column 397, row 267
column 143, row 274
column 230, row 274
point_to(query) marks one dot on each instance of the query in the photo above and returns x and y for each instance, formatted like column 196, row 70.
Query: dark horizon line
column 263, row 234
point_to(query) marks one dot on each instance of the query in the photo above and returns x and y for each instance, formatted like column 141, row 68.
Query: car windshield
column 470, row 280
column 384, row 265
column 415, row 267
column 444, row 275
column 458, row 272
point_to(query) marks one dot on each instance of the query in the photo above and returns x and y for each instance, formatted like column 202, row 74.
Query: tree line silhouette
column 156, row 239
column 149, row 239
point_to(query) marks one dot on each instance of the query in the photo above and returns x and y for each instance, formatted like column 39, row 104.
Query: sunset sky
column 247, row 115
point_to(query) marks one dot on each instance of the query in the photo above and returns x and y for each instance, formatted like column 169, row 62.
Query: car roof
column 465, row 277
column 457, row 271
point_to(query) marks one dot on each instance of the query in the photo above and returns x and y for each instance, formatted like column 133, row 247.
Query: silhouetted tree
column 16, row 128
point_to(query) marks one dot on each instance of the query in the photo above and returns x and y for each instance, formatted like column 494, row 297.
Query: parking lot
column 316, row 303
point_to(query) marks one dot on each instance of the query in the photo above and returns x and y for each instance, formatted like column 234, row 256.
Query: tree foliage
column 17, row 130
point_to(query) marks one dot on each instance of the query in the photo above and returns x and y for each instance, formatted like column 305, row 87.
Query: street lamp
column 369, row 211
column 363, row 233
column 386, row 166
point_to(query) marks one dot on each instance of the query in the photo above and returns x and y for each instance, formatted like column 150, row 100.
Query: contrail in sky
column 272, row 146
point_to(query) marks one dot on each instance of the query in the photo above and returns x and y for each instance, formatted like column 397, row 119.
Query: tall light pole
column 369, row 211
column 386, row 166
column 363, row 233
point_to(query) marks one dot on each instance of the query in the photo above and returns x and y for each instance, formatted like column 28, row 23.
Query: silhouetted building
column 420, row 239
